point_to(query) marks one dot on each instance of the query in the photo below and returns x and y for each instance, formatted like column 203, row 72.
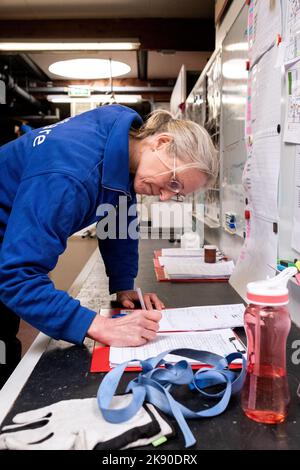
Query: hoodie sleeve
column 120, row 253
column 47, row 209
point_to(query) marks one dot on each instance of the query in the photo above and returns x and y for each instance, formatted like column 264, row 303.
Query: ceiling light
column 89, row 68
column 69, row 46
column 94, row 99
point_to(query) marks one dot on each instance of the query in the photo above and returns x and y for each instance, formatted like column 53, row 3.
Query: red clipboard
column 100, row 357
column 100, row 362
column 161, row 275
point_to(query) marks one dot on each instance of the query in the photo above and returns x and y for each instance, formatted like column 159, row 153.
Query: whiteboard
column 233, row 102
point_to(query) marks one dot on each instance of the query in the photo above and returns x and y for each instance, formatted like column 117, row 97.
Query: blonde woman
column 55, row 181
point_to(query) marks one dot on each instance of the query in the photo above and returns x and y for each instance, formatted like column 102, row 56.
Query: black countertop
column 63, row 373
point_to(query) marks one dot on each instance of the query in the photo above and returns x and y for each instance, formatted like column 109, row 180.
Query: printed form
column 209, row 317
column 222, row 342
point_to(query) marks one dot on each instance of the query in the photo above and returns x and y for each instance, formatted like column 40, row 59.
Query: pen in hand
column 141, row 299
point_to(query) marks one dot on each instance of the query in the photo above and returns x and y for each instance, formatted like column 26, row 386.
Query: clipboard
column 161, row 274
column 100, row 355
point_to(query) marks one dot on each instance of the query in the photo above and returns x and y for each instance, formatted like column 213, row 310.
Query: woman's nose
column 165, row 195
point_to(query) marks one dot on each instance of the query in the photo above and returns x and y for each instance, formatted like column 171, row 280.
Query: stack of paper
column 220, row 342
column 210, row 317
column 188, row 328
column 181, row 252
column 195, row 268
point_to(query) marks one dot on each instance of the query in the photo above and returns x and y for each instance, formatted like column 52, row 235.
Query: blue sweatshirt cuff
column 120, row 284
column 78, row 325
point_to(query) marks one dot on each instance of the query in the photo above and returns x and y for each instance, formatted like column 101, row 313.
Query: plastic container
column 265, row 395
column 210, row 253
column 190, row 240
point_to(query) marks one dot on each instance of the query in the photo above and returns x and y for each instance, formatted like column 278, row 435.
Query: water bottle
column 265, row 395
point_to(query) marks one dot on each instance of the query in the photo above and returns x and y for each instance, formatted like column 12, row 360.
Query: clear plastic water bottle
column 265, row 395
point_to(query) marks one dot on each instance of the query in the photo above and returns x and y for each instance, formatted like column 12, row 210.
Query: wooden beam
column 142, row 64
column 153, row 33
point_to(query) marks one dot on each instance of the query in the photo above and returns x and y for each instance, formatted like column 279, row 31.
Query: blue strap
column 154, row 383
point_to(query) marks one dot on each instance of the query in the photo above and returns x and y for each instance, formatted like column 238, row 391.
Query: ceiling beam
column 142, row 64
column 35, row 70
column 153, row 33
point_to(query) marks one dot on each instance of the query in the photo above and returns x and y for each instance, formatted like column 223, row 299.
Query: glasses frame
column 173, row 185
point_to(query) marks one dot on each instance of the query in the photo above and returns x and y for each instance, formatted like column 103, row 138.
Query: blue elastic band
column 154, row 383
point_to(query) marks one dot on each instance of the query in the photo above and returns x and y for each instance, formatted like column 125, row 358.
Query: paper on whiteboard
column 264, row 24
column 203, row 318
column 263, row 117
column 222, row 342
column 258, row 253
column 296, row 219
column 264, row 173
column 265, row 111
column 292, row 31
column 292, row 119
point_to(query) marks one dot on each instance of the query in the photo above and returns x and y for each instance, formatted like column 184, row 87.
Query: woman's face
column 153, row 173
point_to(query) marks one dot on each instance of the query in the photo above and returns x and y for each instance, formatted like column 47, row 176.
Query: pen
column 141, row 299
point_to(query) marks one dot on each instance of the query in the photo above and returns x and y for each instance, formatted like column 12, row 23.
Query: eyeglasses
column 173, row 185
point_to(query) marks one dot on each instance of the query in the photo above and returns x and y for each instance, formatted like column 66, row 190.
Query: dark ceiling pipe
column 14, row 88
column 34, row 68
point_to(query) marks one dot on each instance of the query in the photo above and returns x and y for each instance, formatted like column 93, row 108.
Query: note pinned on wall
column 263, row 121
column 265, row 94
column 292, row 31
column 296, row 218
column 264, row 24
column 258, row 253
column 264, row 171
column 292, row 118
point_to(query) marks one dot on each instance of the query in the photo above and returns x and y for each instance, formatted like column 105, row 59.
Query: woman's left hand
column 128, row 297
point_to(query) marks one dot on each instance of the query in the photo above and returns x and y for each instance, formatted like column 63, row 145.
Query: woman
column 53, row 181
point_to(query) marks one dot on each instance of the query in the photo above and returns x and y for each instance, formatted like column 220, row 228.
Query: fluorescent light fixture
column 69, row 46
column 89, row 68
column 238, row 46
column 94, row 99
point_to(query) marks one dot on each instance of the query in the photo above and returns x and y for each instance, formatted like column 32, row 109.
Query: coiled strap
column 153, row 384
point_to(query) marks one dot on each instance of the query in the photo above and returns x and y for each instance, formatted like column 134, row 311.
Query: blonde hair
column 191, row 143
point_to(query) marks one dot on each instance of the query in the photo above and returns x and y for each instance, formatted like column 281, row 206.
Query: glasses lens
column 174, row 186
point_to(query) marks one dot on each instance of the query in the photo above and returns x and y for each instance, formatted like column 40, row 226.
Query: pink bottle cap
column 271, row 292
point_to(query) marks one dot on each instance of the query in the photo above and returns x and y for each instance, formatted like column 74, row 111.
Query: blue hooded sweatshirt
column 52, row 181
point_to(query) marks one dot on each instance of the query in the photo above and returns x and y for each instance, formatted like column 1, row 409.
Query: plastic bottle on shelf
column 265, row 395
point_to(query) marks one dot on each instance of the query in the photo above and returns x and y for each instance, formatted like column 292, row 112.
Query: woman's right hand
column 134, row 329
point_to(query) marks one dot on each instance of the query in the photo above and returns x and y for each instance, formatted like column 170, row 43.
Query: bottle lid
column 271, row 291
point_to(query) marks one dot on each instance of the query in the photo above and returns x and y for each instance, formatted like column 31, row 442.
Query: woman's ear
column 162, row 141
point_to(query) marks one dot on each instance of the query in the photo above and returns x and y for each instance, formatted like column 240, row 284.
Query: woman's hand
column 134, row 329
column 128, row 297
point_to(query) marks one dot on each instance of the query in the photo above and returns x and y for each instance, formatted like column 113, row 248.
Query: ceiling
column 53, row 9
column 171, row 33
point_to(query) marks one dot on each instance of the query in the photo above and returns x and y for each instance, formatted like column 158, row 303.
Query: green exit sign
column 79, row 92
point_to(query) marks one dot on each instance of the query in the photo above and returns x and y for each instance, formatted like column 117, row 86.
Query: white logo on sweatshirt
column 41, row 137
